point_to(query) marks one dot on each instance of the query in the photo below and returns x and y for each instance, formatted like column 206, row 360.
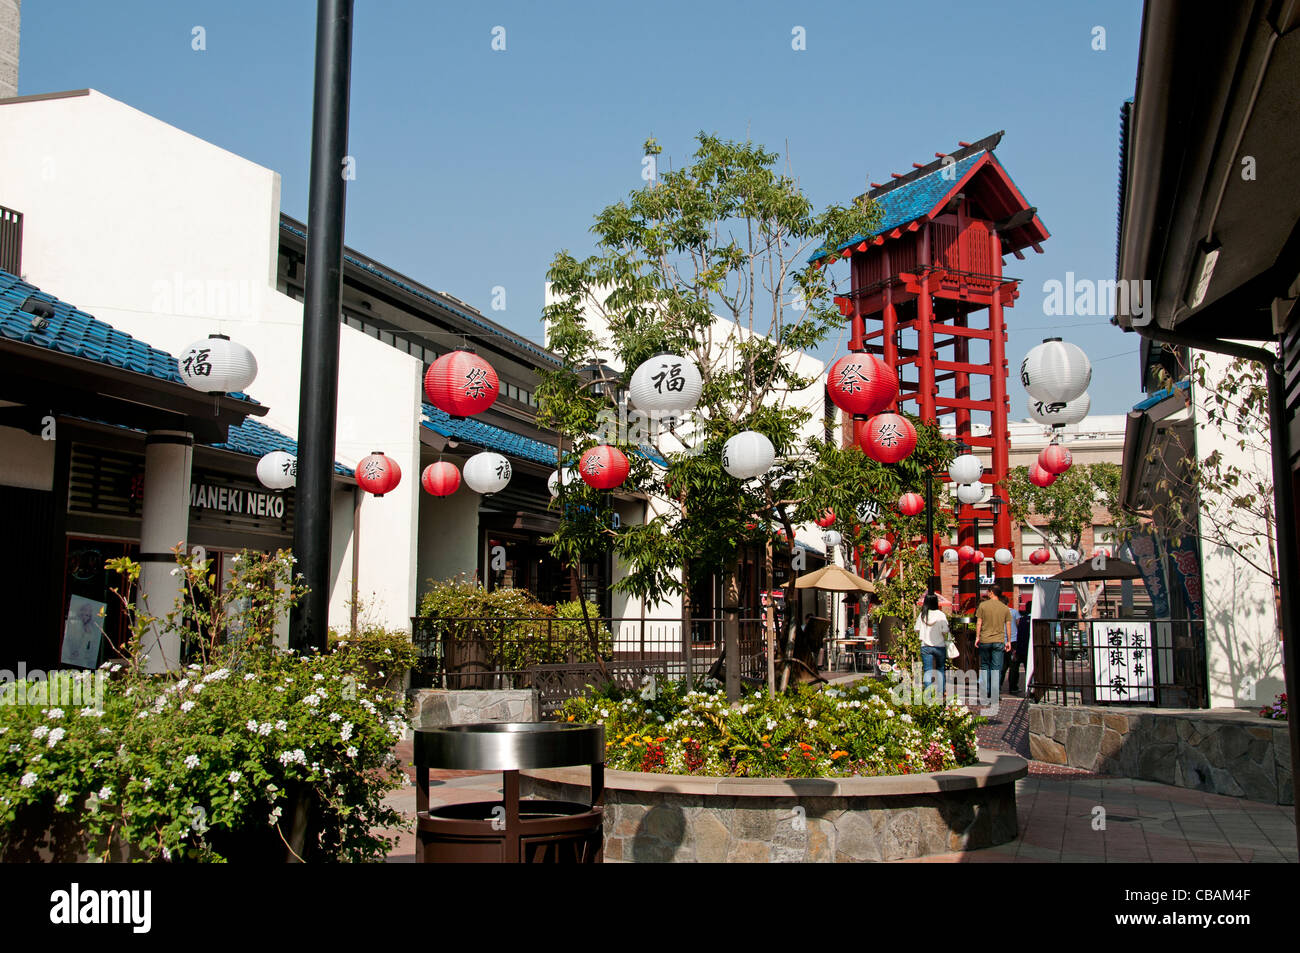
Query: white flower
column 219, row 675
column 61, row 801
column 296, row 756
column 235, row 796
column 180, row 686
column 40, row 731
column 351, row 752
column 318, row 677
column 234, row 560
column 265, row 728
column 281, row 725
column 14, row 749
column 147, row 783
column 311, row 701
column 176, row 572
column 192, row 761
column 334, row 716
column 55, row 737
column 197, row 688
column 28, row 779
column 345, row 733
column 271, row 789
column 105, row 792
column 249, row 677
column 55, row 713
column 234, row 776
column 252, row 724
column 274, row 817
column 187, row 706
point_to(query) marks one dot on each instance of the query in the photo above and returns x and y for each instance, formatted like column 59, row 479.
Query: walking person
column 932, row 627
column 993, row 637
column 1019, row 654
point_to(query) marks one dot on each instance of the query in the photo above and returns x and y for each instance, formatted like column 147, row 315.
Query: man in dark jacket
column 1019, row 654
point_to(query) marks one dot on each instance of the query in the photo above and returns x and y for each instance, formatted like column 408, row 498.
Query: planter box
column 659, row 818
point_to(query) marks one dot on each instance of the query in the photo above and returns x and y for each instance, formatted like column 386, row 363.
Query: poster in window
column 1123, row 662
column 83, row 632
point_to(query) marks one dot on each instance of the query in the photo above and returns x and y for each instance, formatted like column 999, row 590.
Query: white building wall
column 1243, row 651
column 170, row 238
column 449, row 534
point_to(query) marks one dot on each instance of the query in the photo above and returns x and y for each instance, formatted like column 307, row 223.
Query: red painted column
column 925, row 336
column 1001, row 437
column 889, row 326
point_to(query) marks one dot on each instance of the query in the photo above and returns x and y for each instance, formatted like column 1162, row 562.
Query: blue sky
column 475, row 166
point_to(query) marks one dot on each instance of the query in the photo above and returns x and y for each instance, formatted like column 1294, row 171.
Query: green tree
column 727, row 237
column 1067, row 506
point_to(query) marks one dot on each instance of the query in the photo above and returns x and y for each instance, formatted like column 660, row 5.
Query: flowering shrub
column 806, row 732
column 248, row 753
column 1275, row 710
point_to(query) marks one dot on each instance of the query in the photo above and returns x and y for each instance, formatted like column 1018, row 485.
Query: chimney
column 9, row 12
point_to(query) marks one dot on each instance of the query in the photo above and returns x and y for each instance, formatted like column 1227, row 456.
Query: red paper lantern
column 440, row 479
column 979, row 556
column 826, row 520
column 909, row 504
column 603, row 467
column 461, row 383
column 966, row 554
column 888, row 438
column 882, row 547
column 1055, row 459
column 1039, row 556
column 861, row 384
column 1040, row 477
column 378, row 474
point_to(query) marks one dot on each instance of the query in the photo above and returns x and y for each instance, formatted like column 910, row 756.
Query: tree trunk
column 769, row 622
column 731, row 629
column 687, row 679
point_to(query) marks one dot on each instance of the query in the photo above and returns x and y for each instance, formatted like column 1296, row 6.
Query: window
column 1031, row 539
column 1105, row 538
column 387, row 338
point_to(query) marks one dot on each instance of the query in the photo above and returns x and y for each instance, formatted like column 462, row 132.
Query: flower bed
column 861, row 731
column 249, row 753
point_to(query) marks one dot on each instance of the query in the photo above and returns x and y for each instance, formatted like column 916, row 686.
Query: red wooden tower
column 927, row 297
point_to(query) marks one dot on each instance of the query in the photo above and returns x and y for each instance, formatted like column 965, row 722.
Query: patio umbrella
column 834, row 579
column 1113, row 569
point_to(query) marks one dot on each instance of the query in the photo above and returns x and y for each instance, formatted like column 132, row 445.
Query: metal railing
column 1160, row 663
column 11, row 241
column 485, row 653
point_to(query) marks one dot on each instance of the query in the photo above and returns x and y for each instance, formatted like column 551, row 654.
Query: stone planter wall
column 659, row 818
column 436, row 708
column 1228, row 752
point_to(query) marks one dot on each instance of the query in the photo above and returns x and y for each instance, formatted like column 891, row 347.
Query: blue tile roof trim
column 256, row 439
column 79, row 334
column 1161, row 395
column 411, row 289
column 909, row 202
column 488, row 436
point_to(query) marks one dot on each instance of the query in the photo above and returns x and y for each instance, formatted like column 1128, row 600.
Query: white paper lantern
column 1070, row 557
column 1058, row 414
column 1055, row 372
column 747, row 455
column 217, row 365
column 970, row 492
column 832, row 538
column 950, row 555
column 666, row 386
column 1002, row 557
column 558, row 476
column 278, row 470
column 487, row 472
column 965, row 468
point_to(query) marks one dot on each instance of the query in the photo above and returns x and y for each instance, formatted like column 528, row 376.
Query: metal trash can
column 510, row 830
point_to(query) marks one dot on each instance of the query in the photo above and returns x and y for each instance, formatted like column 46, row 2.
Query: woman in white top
column 932, row 627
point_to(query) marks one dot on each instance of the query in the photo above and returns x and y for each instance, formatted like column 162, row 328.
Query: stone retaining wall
column 1228, row 752
column 437, row 708
column 657, row 818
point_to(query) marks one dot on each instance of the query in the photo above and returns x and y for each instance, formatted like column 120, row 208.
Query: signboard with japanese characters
column 1123, row 662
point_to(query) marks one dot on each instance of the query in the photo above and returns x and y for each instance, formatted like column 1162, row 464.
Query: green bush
column 805, row 732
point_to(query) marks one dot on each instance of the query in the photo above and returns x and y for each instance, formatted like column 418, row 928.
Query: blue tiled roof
column 488, row 436
column 256, row 439
column 411, row 289
column 910, row 201
column 74, row 332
